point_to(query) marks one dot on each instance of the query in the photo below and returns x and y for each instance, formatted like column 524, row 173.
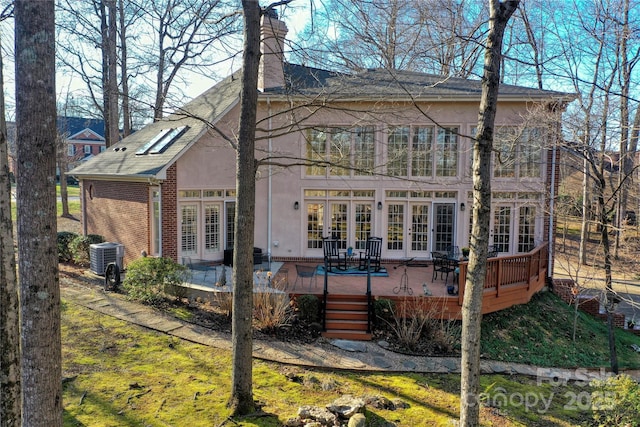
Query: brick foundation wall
column 170, row 214
column 589, row 304
column 562, row 288
column 118, row 211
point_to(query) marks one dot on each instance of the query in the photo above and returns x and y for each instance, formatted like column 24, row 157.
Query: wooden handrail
column 509, row 270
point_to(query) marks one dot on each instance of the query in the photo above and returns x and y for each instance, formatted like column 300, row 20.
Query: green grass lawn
column 541, row 333
column 73, row 193
column 118, row 374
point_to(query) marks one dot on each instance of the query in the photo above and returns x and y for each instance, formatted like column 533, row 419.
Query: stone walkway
column 335, row 354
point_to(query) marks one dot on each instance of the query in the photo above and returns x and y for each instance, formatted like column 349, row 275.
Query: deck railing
column 522, row 271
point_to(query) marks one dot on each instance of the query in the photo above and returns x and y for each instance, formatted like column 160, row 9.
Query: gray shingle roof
column 121, row 161
column 398, row 84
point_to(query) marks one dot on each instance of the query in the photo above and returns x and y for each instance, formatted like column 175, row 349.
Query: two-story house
column 374, row 153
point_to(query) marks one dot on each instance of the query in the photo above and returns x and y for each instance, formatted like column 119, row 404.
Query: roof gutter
column 441, row 98
column 269, row 184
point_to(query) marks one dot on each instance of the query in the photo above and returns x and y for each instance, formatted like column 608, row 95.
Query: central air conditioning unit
column 103, row 254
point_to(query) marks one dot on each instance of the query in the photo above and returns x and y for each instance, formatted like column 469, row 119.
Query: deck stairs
column 347, row 317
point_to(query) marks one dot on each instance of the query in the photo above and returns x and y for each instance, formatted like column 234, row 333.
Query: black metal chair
column 306, row 271
column 371, row 255
column 442, row 264
column 493, row 251
column 332, row 256
column 453, row 252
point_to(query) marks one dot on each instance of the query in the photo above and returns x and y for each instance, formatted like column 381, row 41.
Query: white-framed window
column 156, row 224
column 517, row 153
column 349, row 151
column 422, row 151
column 398, row 151
column 87, row 149
column 446, row 151
column 102, row 148
column 212, row 227
column 71, row 150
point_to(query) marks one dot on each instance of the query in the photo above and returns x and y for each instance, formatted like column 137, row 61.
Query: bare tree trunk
column 62, row 170
column 126, row 113
column 104, row 46
column 9, row 302
column 586, row 209
column 241, row 401
column 36, row 195
column 483, row 145
column 626, row 161
column 112, row 80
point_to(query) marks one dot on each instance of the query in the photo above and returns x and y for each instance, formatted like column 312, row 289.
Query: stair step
column 347, row 306
column 347, row 335
column 347, row 315
column 346, row 297
column 350, row 325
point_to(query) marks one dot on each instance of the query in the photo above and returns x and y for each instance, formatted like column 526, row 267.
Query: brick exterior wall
column 169, row 198
column 118, row 211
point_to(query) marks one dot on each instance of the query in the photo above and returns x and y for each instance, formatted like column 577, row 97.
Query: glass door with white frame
column 339, row 223
column 419, row 231
column 501, row 228
column 189, row 230
column 230, row 226
column 396, row 228
column 443, row 226
column 362, row 224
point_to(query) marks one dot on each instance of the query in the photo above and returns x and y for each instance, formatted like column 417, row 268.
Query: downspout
column 269, row 184
column 83, row 211
column 552, row 197
column 160, row 228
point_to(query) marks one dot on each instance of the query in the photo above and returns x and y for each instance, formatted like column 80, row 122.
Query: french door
column 348, row 222
column 415, row 229
column 443, row 226
column 420, row 230
column 202, row 229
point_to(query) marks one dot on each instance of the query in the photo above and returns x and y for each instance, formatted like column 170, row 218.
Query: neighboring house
column 367, row 154
column 84, row 138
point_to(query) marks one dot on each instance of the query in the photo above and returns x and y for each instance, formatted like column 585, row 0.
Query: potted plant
column 465, row 251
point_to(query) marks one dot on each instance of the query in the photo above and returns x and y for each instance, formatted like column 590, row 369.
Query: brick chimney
column 272, row 34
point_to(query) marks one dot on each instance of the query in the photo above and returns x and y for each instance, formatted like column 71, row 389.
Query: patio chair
column 306, row 271
column 442, row 264
column 453, row 252
column 332, row 256
column 493, row 250
column 371, row 254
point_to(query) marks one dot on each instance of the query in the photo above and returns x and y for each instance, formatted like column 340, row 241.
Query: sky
column 295, row 17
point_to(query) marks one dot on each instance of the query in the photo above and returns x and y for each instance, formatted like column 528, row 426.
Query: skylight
column 161, row 141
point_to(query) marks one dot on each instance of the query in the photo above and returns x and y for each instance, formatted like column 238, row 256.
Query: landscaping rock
column 346, row 406
column 382, row 363
column 313, row 413
column 293, row 422
column 358, row 420
column 400, row 404
column 379, row 402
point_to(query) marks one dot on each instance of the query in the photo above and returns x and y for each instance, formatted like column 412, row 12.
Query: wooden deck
column 511, row 280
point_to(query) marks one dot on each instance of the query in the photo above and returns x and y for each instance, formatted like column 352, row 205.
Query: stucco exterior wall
column 281, row 229
column 119, row 212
